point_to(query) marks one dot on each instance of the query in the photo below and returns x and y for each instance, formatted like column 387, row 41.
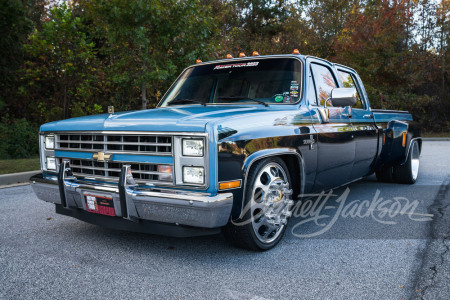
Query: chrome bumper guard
column 133, row 202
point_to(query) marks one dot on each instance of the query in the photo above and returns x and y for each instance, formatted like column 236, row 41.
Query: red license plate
column 100, row 205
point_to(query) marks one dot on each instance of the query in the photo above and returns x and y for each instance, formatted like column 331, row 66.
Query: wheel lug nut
column 288, row 192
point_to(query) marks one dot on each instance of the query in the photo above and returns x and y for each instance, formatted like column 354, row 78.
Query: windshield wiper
column 183, row 100
column 237, row 98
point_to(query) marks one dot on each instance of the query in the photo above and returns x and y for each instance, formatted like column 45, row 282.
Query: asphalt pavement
column 370, row 240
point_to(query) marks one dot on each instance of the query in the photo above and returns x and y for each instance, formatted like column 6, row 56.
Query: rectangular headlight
column 193, row 147
column 49, row 142
column 51, row 163
column 194, row 175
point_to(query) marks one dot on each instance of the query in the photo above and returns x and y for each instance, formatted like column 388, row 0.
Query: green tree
column 443, row 33
column 269, row 27
column 373, row 41
column 148, row 42
column 326, row 19
column 14, row 27
column 87, row 54
column 62, row 67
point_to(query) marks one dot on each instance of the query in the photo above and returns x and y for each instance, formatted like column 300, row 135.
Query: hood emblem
column 101, row 156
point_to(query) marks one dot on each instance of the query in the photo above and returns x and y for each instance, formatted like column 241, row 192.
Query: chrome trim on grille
column 142, row 172
column 168, row 133
column 114, row 143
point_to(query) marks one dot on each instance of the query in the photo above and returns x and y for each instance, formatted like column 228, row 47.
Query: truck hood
column 191, row 118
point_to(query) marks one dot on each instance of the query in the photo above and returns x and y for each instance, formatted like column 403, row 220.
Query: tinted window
column 275, row 81
column 347, row 80
column 324, row 81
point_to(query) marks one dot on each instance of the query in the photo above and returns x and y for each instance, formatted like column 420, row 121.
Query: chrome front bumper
column 134, row 203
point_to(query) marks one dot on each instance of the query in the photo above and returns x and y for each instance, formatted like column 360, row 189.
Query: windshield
column 264, row 81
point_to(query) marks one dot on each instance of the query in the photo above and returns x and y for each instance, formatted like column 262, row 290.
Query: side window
column 346, row 79
column 324, row 81
column 311, row 91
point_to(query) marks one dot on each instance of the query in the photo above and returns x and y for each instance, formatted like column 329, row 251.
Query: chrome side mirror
column 342, row 97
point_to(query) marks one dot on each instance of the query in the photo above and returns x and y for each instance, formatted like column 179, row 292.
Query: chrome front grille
column 103, row 146
column 142, row 172
column 115, row 143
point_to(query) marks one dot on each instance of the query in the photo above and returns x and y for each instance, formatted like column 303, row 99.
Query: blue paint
column 143, row 159
column 120, row 157
column 186, row 118
column 70, row 154
column 383, row 117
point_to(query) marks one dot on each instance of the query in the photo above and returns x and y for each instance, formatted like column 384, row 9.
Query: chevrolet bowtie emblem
column 101, row 156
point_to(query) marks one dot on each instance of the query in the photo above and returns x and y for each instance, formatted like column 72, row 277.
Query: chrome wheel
column 270, row 202
column 415, row 154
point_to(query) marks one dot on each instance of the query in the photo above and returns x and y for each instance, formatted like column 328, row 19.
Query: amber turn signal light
column 229, row 185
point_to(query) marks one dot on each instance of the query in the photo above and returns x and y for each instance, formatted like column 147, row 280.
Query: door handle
column 368, row 116
column 347, row 115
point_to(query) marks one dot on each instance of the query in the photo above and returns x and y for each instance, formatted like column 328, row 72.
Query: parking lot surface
column 396, row 249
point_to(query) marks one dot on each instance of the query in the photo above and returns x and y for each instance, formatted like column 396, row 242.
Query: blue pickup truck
column 230, row 147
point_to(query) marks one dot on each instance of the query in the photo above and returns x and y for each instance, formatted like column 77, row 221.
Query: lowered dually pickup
column 229, row 148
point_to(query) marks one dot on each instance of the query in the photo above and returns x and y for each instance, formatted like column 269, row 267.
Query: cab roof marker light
column 242, row 54
column 198, row 61
column 255, row 53
column 229, row 56
column 295, row 51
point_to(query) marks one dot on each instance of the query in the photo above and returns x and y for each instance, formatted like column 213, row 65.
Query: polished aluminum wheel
column 415, row 154
column 270, row 202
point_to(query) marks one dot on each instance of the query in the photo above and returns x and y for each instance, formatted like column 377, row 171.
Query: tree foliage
column 14, row 27
column 147, row 42
column 60, row 74
column 61, row 60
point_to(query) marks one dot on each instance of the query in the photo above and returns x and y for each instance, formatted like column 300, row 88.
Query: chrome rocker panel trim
column 134, row 203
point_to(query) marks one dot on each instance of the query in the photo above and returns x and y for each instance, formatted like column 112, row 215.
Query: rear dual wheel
column 267, row 205
column 406, row 173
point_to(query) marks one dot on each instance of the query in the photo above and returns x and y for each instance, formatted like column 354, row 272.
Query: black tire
column 241, row 232
column 385, row 174
column 409, row 171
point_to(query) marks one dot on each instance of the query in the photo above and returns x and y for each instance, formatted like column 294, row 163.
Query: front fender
column 279, row 152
